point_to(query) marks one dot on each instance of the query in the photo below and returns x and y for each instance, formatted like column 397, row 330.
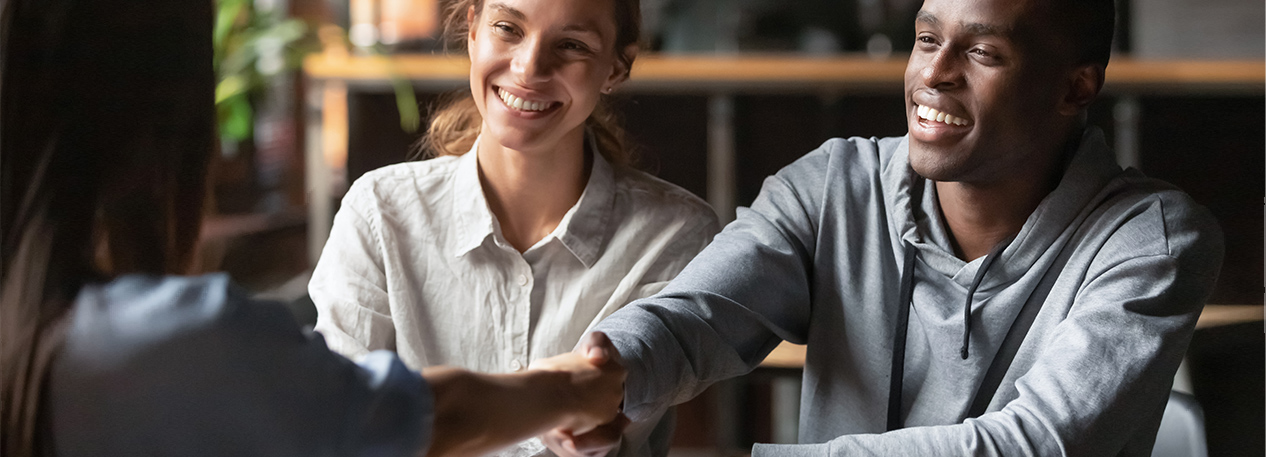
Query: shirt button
column 516, row 366
column 522, row 280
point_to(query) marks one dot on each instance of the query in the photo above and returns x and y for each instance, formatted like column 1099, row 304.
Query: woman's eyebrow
column 507, row 9
column 586, row 28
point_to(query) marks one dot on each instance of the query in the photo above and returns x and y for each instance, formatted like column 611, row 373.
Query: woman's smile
column 520, row 105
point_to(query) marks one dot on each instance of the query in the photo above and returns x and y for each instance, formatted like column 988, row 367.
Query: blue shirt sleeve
column 191, row 366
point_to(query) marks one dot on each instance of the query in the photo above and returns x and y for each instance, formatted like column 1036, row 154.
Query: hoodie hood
column 917, row 219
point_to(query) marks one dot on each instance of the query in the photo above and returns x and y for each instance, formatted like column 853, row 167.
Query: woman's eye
column 573, row 46
column 504, row 28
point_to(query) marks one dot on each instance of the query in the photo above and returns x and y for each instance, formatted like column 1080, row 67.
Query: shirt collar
column 474, row 221
column 583, row 229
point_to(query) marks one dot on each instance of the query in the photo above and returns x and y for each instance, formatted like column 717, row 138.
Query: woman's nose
column 531, row 62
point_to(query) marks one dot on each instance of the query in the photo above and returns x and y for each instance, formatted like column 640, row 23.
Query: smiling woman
column 457, row 123
column 527, row 225
column 107, row 349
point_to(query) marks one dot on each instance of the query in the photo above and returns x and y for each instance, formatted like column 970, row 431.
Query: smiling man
column 990, row 284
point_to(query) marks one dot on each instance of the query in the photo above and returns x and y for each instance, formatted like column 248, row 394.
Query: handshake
column 572, row 400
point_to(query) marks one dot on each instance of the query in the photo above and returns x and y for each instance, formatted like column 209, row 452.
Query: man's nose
column 942, row 70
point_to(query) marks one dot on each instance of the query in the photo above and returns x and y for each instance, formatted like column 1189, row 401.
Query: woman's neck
column 530, row 192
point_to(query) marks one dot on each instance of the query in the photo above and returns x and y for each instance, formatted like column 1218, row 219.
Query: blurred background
column 313, row 93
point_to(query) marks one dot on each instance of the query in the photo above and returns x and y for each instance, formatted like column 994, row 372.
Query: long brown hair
column 455, row 124
column 106, row 130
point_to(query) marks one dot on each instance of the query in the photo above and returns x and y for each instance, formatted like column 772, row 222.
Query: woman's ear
column 471, row 15
column 620, row 71
column 1084, row 84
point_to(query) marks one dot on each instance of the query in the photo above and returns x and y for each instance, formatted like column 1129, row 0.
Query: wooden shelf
column 787, row 73
column 788, row 355
column 227, row 226
column 1215, row 315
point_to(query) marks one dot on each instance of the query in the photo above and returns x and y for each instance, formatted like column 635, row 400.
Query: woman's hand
column 595, row 443
column 596, row 388
column 476, row 413
column 591, row 442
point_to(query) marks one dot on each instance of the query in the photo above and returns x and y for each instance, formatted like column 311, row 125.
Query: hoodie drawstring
column 899, row 339
column 971, row 291
column 906, row 300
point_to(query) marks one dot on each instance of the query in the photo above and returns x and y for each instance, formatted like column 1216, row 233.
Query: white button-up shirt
column 416, row 263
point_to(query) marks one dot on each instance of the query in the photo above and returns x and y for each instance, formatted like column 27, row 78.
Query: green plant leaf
column 232, row 86
column 250, row 47
column 287, row 31
column 226, row 16
column 237, row 119
column 406, row 104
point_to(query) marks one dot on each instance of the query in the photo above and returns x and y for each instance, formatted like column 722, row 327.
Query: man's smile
column 930, row 114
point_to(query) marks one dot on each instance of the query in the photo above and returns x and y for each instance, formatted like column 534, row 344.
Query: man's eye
column 985, row 56
column 926, row 42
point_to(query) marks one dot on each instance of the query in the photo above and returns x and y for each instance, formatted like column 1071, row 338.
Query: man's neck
column 979, row 217
column 530, row 193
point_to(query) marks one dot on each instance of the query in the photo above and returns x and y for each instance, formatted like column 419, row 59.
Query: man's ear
column 620, row 71
column 1084, row 83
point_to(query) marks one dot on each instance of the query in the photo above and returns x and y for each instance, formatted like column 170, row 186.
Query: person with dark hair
column 106, row 130
column 991, row 283
column 527, row 224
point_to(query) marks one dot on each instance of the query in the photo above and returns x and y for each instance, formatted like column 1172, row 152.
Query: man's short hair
column 1090, row 25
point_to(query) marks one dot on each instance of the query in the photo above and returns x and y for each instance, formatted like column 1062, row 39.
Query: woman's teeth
column 932, row 114
column 521, row 104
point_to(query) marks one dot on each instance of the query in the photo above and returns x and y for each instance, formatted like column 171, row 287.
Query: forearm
column 476, row 414
column 675, row 346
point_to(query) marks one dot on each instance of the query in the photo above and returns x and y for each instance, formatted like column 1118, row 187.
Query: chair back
column 1181, row 432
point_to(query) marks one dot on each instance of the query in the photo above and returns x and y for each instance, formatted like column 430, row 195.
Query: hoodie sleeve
column 732, row 304
column 1104, row 372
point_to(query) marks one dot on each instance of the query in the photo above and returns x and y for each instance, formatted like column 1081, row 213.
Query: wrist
column 557, row 402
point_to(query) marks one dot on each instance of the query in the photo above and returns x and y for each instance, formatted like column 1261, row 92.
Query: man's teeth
column 932, row 114
column 521, row 104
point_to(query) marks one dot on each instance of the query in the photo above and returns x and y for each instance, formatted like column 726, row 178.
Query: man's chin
column 933, row 163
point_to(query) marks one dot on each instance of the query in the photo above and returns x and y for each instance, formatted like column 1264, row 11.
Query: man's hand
column 477, row 413
column 596, row 443
column 597, row 383
column 597, row 349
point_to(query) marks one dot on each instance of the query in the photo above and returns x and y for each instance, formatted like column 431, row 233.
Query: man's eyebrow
column 974, row 28
column 927, row 17
column 504, row 8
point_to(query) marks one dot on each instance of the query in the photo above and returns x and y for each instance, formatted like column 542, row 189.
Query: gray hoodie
column 1108, row 276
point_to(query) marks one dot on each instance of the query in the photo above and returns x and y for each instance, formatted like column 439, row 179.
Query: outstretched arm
column 476, row 414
